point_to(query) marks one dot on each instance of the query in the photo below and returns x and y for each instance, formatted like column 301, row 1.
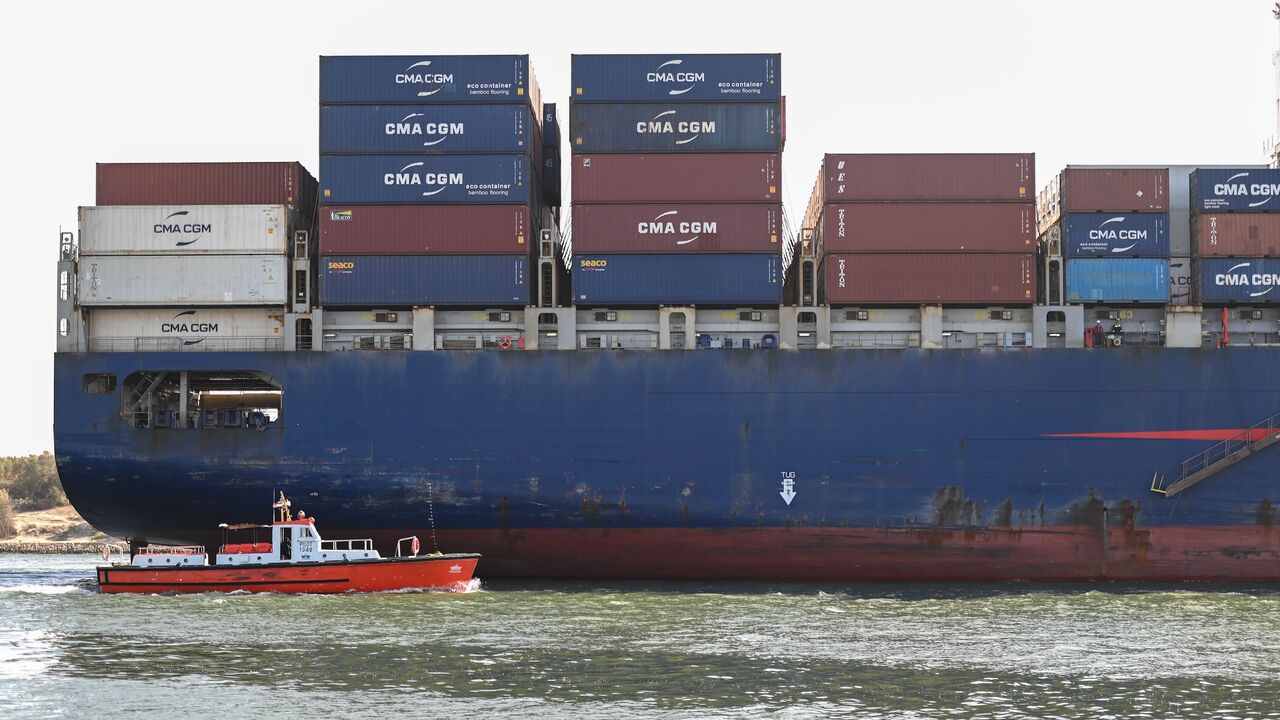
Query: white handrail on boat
column 348, row 545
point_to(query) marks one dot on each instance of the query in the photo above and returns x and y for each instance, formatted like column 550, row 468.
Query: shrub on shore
column 7, row 530
column 31, row 482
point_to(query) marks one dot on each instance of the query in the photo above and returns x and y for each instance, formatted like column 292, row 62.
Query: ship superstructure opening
column 241, row 399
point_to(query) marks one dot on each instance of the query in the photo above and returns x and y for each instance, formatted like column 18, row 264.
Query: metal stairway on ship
column 1200, row 466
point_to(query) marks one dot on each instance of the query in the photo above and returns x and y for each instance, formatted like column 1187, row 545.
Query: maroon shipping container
column 929, row 178
column 1115, row 189
column 947, row 279
column 425, row 229
column 676, row 228
column 231, row 183
column 929, row 227
column 1236, row 235
column 712, row 178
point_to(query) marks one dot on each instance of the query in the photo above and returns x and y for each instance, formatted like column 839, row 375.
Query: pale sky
column 1082, row 82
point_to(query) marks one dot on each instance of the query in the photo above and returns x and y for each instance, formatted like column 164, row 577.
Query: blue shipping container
column 677, row 279
column 655, row 78
column 550, row 126
column 1117, row 235
column 405, row 280
column 1243, row 280
column 676, row 127
column 415, row 179
column 1095, row 280
column 1243, row 189
column 434, row 129
column 373, row 80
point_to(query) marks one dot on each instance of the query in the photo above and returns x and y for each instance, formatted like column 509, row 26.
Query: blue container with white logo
column 418, row 79
column 424, row 179
column 550, row 126
column 1118, row 280
column 1240, row 190
column 663, row 279
column 1117, row 235
column 667, row 78
column 406, row 280
column 433, row 129
column 1248, row 281
column 676, row 127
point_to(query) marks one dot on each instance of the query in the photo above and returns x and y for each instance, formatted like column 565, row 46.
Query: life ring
column 504, row 342
column 414, row 546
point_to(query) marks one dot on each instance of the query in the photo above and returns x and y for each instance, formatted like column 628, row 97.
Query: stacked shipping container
column 1114, row 229
column 186, row 254
column 1236, row 235
column 925, row 229
column 677, row 179
column 431, row 193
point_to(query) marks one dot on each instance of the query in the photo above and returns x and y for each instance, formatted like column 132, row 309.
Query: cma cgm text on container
column 677, row 228
column 697, row 77
column 1117, row 235
column 1247, row 281
column 1235, row 190
column 409, row 79
column 186, row 229
column 677, row 127
column 418, row 179
column 427, row 129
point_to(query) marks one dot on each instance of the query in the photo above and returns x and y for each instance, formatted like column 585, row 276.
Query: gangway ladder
column 1220, row 457
column 140, row 399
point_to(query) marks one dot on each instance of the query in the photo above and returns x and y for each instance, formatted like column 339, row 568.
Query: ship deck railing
column 172, row 550
column 1230, row 446
column 346, row 545
column 173, row 344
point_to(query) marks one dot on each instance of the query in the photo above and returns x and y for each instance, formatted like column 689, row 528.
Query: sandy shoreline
column 55, row 531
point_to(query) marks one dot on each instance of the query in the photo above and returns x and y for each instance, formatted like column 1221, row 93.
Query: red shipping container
column 677, row 228
column 928, row 178
column 1236, row 235
column 1115, row 189
column 938, row 279
column 229, row 183
column 711, row 178
column 425, row 230
column 929, row 227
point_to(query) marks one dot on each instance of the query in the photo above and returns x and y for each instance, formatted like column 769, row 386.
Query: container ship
column 936, row 374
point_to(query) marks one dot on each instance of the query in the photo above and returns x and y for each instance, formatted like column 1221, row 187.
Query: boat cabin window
column 188, row 399
column 100, row 384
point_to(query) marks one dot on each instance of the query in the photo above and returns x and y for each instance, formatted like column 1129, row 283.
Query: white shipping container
column 1180, row 281
column 184, row 230
column 167, row 280
column 188, row 324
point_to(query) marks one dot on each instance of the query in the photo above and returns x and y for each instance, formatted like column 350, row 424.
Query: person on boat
column 1098, row 335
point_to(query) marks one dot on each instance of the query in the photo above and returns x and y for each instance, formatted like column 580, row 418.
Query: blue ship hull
column 905, row 465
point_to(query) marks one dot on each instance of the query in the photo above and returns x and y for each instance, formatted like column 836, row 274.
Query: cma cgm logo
column 1118, row 234
column 665, row 123
column 407, row 175
column 668, row 224
column 418, row 74
column 1239, row 276
column 169, row 226
column 672, row 72
column 185, row 323
column 433, row 133
column 1231, row 188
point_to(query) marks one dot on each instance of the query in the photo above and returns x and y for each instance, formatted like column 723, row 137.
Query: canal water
column 625, row 650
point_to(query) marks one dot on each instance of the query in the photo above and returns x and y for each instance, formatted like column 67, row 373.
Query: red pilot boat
column 296, row 560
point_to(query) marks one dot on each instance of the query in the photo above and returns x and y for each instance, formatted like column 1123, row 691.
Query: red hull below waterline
column 435, row 572
column 1067, row 553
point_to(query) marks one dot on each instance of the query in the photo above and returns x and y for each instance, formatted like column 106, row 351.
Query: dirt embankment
column 59, row 530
